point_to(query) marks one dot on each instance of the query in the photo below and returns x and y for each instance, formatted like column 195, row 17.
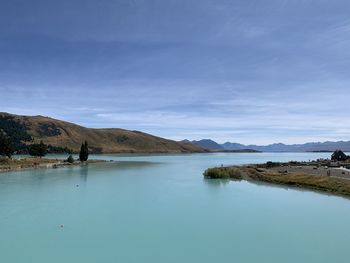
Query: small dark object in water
column 77, row 185
column 62, row 226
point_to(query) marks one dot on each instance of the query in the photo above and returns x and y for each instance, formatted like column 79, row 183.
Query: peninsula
column 327, row 175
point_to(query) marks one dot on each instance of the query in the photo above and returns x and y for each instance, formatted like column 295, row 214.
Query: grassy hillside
column 64, row 134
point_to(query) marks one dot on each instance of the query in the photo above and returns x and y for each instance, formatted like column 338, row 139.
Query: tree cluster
column 16, row 131
column 37, row 149
column 6, row 146
column 58, row 149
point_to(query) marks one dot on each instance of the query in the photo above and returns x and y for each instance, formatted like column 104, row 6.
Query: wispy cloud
column 246, row 71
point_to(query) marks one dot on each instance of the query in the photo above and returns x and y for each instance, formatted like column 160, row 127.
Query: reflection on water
column 216, row 182
column 84, row 170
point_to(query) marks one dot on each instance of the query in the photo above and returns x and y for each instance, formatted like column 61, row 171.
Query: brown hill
column 112, row 140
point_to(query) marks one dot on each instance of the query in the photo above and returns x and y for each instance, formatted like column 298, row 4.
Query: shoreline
column 33, row 163
column 303, row 177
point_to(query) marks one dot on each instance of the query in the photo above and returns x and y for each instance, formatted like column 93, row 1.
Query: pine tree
column 84, row 152
column 6, row 146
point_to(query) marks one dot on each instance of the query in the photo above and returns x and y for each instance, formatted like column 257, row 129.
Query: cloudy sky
column 258, row 71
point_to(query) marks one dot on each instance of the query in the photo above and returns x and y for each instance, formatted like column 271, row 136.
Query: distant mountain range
column 25, row 130
column 276, row 147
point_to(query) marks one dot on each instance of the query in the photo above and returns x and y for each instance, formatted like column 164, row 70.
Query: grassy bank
column 335, row 185
column 9, row 165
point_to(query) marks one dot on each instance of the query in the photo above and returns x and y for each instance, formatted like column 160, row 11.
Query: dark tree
column 84, row 152
column 6, row 146
column 38, row 149
column 70, row 159
column 338, row 155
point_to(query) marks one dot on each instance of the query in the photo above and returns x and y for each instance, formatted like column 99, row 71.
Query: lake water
column 159, row 208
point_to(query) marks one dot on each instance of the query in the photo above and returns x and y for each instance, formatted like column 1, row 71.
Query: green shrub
column 270, row 164
column 70, row 159
column 223, row 172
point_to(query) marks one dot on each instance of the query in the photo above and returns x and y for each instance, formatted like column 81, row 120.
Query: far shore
column 331, row 178
column 31, row 163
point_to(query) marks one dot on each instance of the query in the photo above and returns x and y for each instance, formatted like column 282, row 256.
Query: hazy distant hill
column 280, row 147
column 64, row 134
column 208, row 144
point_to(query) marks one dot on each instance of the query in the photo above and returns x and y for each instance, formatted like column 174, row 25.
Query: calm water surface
column 160, row 209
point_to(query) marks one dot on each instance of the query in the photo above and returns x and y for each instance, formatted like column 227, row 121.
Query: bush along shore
column 322, row 175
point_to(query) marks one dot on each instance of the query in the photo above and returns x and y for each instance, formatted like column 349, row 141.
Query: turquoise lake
column 159, row 208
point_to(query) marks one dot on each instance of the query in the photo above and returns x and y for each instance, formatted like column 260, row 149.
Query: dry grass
column 7, row 164
column 334, row 185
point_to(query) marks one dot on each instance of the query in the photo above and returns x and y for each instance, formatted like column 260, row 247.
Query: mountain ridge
column 59, row 133
column 208, row 144
column 281, row 147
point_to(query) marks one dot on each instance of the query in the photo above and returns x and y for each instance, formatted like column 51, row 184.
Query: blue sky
column 242, row 71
